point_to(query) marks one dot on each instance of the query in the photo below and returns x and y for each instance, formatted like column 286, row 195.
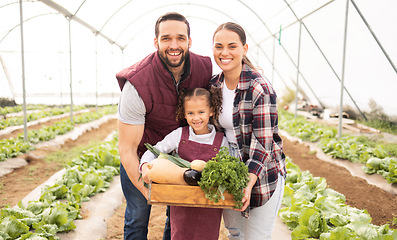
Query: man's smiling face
column 173, row 43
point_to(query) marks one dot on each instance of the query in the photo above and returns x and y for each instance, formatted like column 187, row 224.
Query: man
column 150, row 90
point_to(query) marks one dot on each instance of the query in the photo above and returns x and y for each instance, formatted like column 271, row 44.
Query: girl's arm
column 225, row 143
column 167, row 145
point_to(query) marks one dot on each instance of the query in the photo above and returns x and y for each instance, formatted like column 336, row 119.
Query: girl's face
column 228, row 50
column 197, row 114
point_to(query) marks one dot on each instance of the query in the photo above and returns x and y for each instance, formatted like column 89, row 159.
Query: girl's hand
column 247, row 192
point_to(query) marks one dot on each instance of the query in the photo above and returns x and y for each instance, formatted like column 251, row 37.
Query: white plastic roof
column 107, row 36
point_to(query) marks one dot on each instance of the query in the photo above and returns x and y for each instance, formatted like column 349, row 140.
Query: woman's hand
column 247, row 192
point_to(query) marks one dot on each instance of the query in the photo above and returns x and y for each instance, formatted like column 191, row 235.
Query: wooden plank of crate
column 182, row 195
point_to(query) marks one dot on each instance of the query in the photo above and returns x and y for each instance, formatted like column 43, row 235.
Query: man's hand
column 129, row 138
column 144, row 173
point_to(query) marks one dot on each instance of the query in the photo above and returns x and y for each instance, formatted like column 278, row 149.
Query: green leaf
column 59, row 191
column 56, row 215
column 312, row 221
column 338, row 220
column 363, row 229
column 340, row 233
column 358, row 215
column 290, row 218
column 4, row 236
column 13, row 227
column 47, row 230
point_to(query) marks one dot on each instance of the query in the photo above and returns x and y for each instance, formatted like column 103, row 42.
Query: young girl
column 199, row 140
column 249, row 118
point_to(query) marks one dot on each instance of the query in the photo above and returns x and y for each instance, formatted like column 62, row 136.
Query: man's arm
column 129, row 138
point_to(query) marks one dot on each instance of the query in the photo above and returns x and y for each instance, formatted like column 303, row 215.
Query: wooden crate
column 181, row 195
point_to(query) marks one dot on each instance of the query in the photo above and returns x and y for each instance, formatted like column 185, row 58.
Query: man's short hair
column 171, row 16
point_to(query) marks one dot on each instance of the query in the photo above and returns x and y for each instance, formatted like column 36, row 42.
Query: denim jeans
column 137, row 211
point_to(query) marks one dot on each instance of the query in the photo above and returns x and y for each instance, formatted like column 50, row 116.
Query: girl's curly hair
column 213, row 96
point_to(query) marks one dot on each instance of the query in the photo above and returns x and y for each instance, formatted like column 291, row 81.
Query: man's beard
column 167, row 61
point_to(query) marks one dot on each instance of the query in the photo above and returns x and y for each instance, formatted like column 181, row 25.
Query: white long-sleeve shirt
column 171, row 142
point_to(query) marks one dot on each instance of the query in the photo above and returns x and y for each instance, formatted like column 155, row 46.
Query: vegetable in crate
column 161, row 170
column 224, row 172
column 169, row 169
column 198, row 165
column 192, row 177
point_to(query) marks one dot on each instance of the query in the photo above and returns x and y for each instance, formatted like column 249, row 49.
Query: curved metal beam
column 374, row 36
column 78, row 9
column 114, row 14
column 69, row 16
column 168, row 5
column 7, row 4
column 268, row 29
column 41, row 15
column 296, row 21
column 215, row 23
column 258, row 45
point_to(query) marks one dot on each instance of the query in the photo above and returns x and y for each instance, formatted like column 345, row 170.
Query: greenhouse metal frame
column 282, row 44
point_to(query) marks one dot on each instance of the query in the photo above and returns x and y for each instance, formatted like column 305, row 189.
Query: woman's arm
column 264, row 121
column 247, row 191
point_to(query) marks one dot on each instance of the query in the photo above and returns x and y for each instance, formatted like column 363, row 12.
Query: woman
column 250, row 122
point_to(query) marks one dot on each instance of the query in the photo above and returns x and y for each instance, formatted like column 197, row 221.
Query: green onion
column 175, row 159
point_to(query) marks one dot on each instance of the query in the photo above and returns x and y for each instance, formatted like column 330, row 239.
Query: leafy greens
column 224, row 173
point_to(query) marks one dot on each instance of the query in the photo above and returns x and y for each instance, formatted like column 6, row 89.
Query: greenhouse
column 332, row 65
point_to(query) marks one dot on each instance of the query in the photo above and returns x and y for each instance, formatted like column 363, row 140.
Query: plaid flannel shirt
column 255, row 121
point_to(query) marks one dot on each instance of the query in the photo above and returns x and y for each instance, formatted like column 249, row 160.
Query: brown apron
column 196, row 223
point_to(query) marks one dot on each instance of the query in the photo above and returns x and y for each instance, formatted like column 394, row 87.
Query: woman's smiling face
column 228, row 50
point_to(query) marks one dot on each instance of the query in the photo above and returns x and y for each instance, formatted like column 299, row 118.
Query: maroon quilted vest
column 157, row 89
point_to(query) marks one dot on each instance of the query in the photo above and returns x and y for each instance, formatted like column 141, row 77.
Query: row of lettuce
column 375, row 156
column 48, row 112
column 13, row 147
column 60, row 204
column 310, row 209
column 19, row 108
column 313, row 211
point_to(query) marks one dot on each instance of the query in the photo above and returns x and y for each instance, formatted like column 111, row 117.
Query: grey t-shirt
column 131, row 109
